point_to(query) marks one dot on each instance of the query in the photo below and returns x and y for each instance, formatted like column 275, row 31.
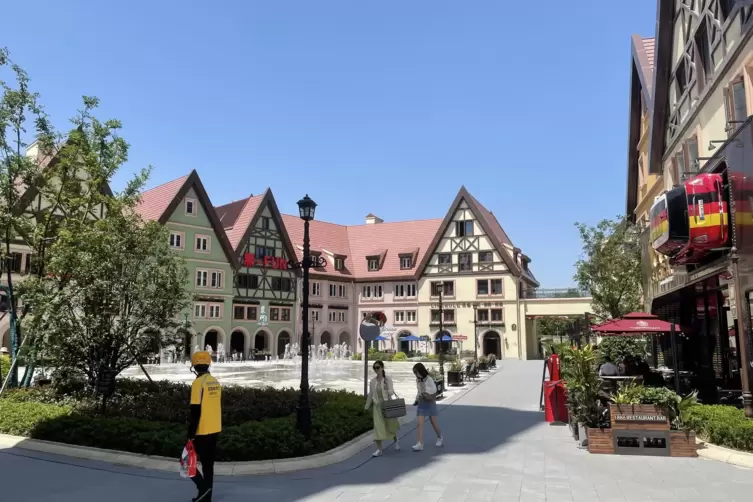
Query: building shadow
column 469, row 430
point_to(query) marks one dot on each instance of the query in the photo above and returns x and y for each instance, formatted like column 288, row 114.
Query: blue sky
column 385, row 107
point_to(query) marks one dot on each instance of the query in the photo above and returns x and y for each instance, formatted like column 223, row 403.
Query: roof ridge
column 183, row 178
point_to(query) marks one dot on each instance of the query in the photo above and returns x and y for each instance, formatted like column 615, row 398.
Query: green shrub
column 4, row 367
column 723, row 426
column 357, row 356
column 338, row 418
column 616, row 349
column 400, row 356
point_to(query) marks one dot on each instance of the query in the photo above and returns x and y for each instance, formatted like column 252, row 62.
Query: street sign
column 369, row 332
column 459, row 338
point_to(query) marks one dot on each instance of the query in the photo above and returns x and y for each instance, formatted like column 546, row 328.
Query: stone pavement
column 497, row 449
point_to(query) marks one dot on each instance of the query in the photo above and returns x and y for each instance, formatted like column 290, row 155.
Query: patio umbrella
column 446, row 338
column 410, row 338
column 381, row 338
column 638, row 324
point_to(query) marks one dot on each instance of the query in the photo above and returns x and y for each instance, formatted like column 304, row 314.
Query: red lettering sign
column 268, row 261
column 274, row 262
column 248, row 260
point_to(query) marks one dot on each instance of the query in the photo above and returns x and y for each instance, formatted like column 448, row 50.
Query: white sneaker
column 440, row 442
column 418, row 447
column 377, row 453
column 397, row 445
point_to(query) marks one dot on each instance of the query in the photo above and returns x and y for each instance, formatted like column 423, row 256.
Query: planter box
column 454, row 378
column 682, row 444
column 645, row 417
column 600, row 441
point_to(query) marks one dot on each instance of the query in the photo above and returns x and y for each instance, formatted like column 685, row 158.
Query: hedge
column 160, row 427
column 722, row 426
column 4, row 366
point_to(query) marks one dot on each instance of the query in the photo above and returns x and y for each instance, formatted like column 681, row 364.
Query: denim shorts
column 427, row 409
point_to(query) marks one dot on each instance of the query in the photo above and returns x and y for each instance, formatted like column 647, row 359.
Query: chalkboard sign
column 106, row 382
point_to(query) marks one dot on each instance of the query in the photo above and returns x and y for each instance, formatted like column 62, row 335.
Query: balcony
column 555, row 293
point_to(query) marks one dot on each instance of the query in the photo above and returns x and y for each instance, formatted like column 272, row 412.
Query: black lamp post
column 475, row 332
column 440, row 288
column 306, row 208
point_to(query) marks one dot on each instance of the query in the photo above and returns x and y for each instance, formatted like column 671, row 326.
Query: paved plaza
column 329, row 374
column 497, row 449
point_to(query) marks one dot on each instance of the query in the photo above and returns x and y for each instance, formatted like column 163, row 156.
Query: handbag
column 394, row 408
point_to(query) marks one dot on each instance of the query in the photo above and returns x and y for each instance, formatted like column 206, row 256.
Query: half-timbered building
column 264, row 289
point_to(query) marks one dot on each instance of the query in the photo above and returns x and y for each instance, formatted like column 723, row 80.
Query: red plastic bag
column 188, row 461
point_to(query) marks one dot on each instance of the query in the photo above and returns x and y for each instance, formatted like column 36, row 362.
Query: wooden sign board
column 638, row 417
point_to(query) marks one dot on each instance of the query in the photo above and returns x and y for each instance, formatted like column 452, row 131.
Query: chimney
column 372, row 219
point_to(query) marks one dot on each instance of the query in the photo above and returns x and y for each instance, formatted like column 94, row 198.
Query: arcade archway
column 282, row 339
column 211, row 338
column 345, row 338
column 444, row 345
column 238, row 342
column 492, row 344
column 404, row 345
column 261, row 340
column 326, row 339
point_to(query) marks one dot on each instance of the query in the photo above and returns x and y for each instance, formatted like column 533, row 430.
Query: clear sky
column 368, row 106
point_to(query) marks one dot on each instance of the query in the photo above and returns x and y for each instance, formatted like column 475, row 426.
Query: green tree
column 610, row 269
column 553, row 327
column 113, row 293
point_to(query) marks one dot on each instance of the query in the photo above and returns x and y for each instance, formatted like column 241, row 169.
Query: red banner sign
column 274, row 262
column 459, row 338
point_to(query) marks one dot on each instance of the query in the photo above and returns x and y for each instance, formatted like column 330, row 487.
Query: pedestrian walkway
column 497, row 449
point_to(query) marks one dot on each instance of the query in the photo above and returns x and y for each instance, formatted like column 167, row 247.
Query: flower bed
column 151, row 418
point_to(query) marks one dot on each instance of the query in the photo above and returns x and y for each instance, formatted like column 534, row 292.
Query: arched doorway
column 444, row 346
column 282, row 340
column 326, row 339
column 345, row 338
column 238, row 342
column 211, row 338
column 403, row 345
column 260, row 340
column 492, row 344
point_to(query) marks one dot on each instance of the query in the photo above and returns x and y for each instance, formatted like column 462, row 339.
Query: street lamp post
column 440, row 287
column 475, row 332
column 306, row 208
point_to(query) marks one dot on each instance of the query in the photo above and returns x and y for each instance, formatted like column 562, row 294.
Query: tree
column 113, row 292
column 610, row 269
column 550, row 327
column 19, row 109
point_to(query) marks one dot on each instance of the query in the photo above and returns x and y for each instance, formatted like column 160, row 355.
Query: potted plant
column 483, row 363
column 438, row 380
column 455, row 374
column 492, row 361
column 584, row 390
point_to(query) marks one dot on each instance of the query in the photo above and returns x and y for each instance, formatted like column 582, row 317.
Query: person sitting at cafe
column 609, row 369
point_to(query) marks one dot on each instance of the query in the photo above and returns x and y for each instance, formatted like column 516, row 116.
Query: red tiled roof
column 325, row 236
column 237, row 216
column 496, row 228
column 153, row 202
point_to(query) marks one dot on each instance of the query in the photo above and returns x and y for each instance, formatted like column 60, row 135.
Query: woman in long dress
column 380, row 390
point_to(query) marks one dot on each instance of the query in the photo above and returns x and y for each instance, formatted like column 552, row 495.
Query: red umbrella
column 636, row 323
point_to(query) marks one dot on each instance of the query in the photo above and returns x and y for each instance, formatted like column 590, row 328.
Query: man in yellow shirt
column 205, row 422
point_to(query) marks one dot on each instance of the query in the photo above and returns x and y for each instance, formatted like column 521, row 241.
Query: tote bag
column 394, row 408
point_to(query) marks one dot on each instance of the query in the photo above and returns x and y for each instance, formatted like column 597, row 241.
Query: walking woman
column 426, row 400
column 380, row 390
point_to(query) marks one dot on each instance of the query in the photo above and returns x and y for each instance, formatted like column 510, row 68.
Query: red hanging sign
column 274, row 262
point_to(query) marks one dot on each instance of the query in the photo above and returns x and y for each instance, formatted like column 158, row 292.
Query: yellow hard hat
column 201, row 357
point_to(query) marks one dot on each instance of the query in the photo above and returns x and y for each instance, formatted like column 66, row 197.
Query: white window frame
column 316, row 315
column 342, row 316
column 502, row 284
column 339, row 264
column 332, row 290
column 366, row 292
column 194, row 204
column 410, row 317
column 179, row 235
column 200, row 311
column 208, row 241
column 316, row 289
column 399, row 290
column 331, row 315
column 406, row 262
column 373, row 264
column 290, row 314
column 204, row 274
column 399, row 316
column 491, row 316
column 378, row 291
column 220, row 279
column 342, row 292
column 410, row 290
column 216, row 307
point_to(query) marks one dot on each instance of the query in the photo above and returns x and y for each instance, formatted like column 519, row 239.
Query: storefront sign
column 263, row 319
column 639, row 418
column 274, row 262
column 459, row 338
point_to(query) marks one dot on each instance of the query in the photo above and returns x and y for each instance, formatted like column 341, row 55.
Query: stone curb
column 165, row 464
column 726, row 455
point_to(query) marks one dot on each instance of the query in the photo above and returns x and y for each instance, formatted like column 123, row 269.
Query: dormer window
column 373, row 264
column 339, row 263
column 406, row 262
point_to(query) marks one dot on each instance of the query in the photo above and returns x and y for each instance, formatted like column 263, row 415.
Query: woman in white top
column 380, row 390
column 426, row 400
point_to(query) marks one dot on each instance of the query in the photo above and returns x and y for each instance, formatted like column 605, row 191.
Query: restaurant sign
column 274, row 262
column 620, row 417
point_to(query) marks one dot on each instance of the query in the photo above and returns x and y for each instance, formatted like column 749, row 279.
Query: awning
column 409, row 338
column 635, row 323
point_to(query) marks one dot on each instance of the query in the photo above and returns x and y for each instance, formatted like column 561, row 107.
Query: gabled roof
column 324, row 236
column 241, row 221
column 641, row 85
column 159, row 203
column 665, row 16
column 490, row 226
